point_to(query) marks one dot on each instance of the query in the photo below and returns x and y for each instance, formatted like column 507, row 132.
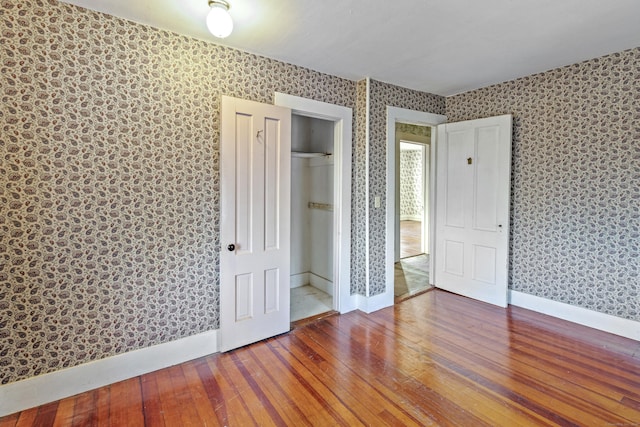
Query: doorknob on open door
column 231, row 247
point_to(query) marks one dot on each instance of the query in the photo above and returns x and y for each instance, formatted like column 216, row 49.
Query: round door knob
column 231, row 247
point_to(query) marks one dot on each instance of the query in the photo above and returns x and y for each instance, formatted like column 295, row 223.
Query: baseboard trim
column 307, row 278
column 601, row 321
column 321, row 283
column 298, row 280
column 46, row 388
column 375, row 303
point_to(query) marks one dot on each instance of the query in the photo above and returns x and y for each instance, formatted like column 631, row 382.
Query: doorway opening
column 399, row 120
column 411, row 266
column 312, row 207
column 319, row 129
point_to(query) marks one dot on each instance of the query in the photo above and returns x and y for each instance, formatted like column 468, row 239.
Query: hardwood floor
column 410, row 238
column 436, row 359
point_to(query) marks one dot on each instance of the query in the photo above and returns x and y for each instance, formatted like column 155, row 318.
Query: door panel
column 255, row 173
column 456, row 180
column 272, row 176
column 484, row 264
column 271, row 290
column 243, row 156
column 472, row 208
column 486, row 180
column 454, row 258
column 244, row 299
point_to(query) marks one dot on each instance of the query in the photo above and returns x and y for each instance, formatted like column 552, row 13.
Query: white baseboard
column 376, row 302
column 58, row 385
column 321, row 283
column 297, row 280
column 302, row 279
column 601, row 321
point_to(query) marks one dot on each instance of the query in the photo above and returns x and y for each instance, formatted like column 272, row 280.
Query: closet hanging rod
column 303, row 154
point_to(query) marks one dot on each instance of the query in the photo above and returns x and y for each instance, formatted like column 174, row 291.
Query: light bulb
column 219, row 21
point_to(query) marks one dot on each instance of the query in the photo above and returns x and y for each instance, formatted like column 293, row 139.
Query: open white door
column 472, row 208
column 255, row 173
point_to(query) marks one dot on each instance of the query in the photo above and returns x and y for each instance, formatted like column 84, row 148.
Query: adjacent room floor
column 411, row 273
column 410, row 238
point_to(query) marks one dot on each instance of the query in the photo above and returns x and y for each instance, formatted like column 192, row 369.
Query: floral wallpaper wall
column 109, row 183
column 575, row 218
column 359, row 193
column 382, row 95
column 411, row 199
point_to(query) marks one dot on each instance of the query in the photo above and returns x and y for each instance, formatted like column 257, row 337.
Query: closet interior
column 312, row 218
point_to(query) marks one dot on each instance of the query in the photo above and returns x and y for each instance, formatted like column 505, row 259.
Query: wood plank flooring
column 435, row 359
column 410, row 238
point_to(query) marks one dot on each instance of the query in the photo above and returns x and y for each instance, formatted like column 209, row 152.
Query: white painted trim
column 298, row 280
column 376, row 302
column 432, row 204
column 58, row 385
column 425, row 244
column 343, row 118
column 594, row 319
column 308, row 278
column 403, row 115
column 321, row 283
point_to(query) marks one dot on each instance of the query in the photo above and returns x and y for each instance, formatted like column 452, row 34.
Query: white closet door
column 255, row 179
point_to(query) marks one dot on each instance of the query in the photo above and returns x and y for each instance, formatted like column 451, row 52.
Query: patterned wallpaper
column 411, row 183
column 383, row 95
column 109, row 180
column 575, row 218
column 359, row 194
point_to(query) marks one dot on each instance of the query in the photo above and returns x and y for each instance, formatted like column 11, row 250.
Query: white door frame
column 403, row 115
column 343, row 301
column 425, row 244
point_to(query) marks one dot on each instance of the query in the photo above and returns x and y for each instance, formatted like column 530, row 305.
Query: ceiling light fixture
column 219, row 21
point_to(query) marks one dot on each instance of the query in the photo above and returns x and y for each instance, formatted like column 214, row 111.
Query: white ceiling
column 438, row 46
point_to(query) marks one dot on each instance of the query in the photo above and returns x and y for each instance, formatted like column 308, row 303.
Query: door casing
column 342, row 118
column 403, row 115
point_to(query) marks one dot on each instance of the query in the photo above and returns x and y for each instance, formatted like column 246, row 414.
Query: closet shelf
column 304, row 155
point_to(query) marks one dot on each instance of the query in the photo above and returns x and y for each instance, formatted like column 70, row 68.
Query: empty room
column 202, row 207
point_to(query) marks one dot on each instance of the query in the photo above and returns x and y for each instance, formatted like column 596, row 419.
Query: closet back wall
column 109, row 182
column 311, row 181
